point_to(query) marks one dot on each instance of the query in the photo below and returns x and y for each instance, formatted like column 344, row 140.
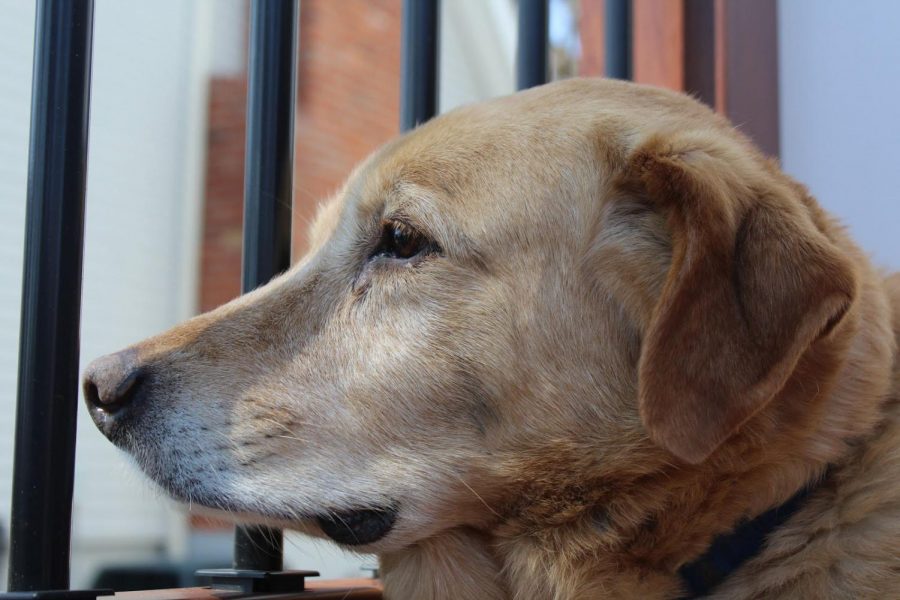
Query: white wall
column 477, row 51
column 147, row 143
column 16, row 34
column 147, row 139
column 840, row 123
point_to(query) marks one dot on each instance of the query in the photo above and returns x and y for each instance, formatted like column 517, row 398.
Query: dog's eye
column 399, row 240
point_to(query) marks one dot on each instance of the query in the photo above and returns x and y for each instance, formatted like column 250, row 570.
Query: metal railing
column 48, row 373
column 617, row 39
column 419, row 62
column 268, row 194
column 44, row 463
column 531, row 53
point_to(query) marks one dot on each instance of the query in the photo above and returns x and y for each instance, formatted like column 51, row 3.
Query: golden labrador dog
column 580, row 342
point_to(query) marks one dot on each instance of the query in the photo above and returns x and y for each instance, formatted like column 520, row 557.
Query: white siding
column 477, row 49
column 147, row 138
column 16, row 35
column 133, row 241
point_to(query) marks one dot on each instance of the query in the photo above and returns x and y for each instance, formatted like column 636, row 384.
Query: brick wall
column 349, row 95
column 590, row 25
column 220, row 256
column 348, row 102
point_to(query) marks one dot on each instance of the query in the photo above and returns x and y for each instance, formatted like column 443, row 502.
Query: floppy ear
column 752, row 284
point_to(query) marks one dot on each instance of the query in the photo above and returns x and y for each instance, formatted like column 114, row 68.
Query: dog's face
column 513, row 294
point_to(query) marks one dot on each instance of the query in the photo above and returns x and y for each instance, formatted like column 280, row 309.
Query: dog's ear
column 752, row 284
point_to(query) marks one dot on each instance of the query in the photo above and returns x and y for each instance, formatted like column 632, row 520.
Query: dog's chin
column 358, row 527
column 355, row 527
column 350, row 527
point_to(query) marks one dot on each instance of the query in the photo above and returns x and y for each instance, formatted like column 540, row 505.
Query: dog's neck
column 457, row 564
column 730, row 551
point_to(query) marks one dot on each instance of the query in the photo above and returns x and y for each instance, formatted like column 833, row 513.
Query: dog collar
column 731, row 550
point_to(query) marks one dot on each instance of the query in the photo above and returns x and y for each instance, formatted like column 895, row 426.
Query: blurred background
column 815, row 83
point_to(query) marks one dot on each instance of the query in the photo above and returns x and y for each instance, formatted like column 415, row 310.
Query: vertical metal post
column 268, row 194
column 617, row 39
column 419, row 62
column 531, row 54
column 51, row 298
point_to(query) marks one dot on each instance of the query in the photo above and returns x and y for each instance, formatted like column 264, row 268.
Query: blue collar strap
column 731, row 550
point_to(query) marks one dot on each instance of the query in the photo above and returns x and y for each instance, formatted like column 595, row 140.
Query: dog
column 558, row 345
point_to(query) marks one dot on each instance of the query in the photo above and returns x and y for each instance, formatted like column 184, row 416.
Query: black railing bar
column 532, row 66
column 268, row 194
column 617, row 39
column 419, row 73
column 44, row 463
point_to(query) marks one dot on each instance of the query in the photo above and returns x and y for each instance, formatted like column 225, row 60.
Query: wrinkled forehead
column 532, row 151
column 479, row 169
column 453, row 156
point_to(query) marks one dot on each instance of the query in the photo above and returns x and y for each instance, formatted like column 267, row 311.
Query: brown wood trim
column 658, row 42
column 720, row 60
column 591, row 17
column 349, row 589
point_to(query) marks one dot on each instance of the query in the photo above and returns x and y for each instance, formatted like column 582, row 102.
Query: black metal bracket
column 57, row 595
column 249, row 581
column 532, row 60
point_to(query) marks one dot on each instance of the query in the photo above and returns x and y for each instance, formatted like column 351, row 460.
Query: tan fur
column 638, row 332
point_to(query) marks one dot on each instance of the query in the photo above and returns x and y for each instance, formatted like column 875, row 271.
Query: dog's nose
column 111, row 382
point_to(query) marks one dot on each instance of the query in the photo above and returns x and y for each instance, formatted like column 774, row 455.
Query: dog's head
column 589, row 277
